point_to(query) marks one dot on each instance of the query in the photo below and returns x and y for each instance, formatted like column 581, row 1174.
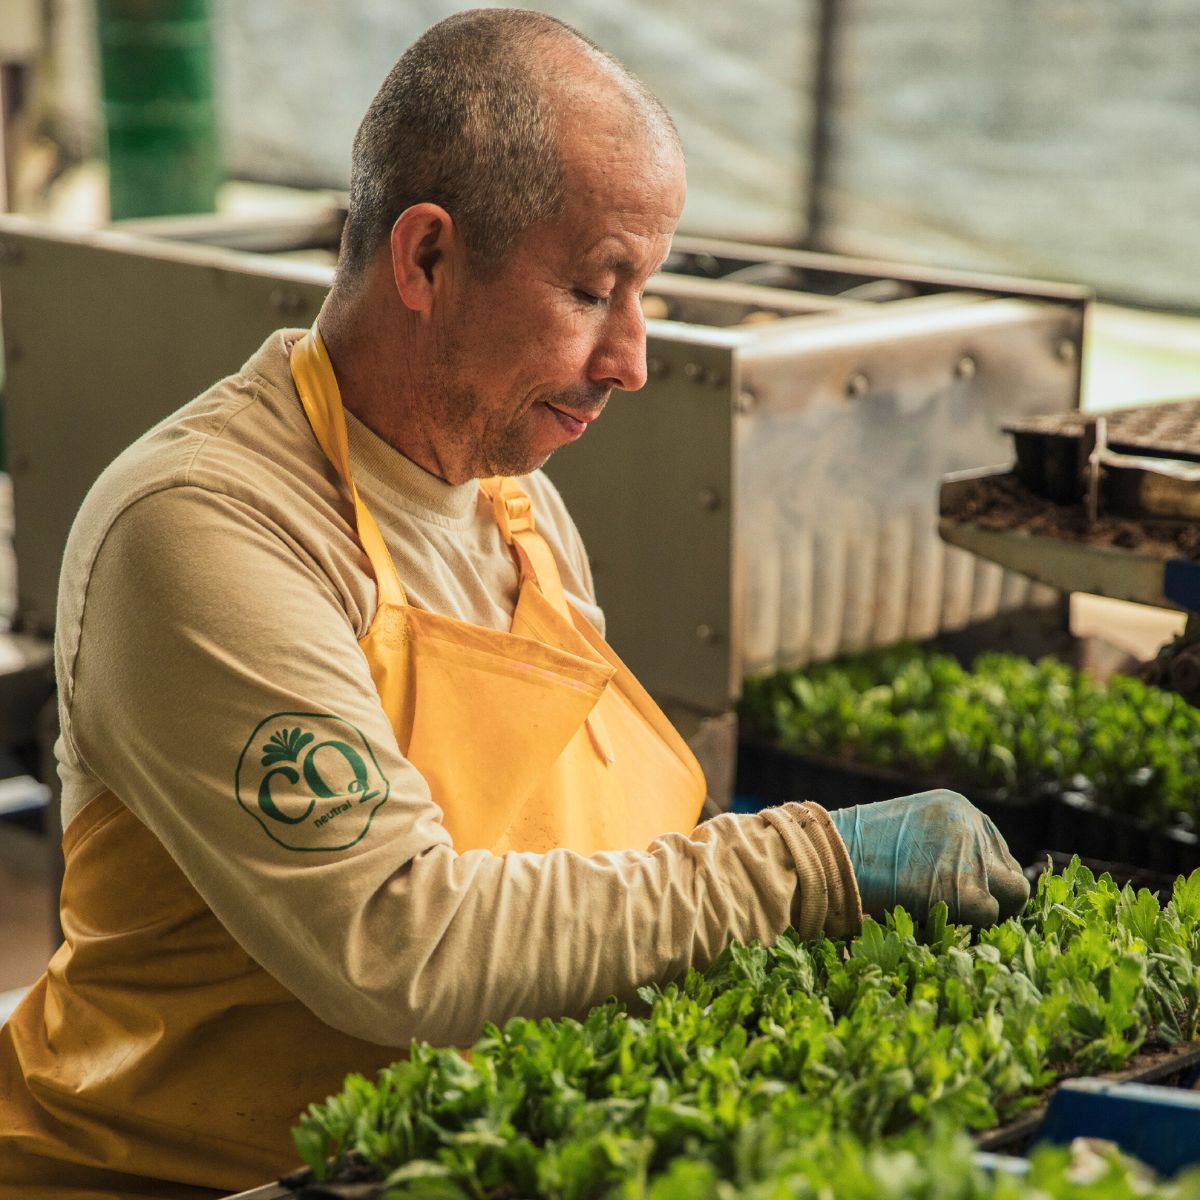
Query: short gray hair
column 463, row 121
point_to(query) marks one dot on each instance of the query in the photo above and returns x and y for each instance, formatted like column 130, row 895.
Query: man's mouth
column 583, row 418
column 573, row 422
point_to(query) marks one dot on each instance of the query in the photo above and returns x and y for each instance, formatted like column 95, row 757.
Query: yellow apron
column 155, row 1057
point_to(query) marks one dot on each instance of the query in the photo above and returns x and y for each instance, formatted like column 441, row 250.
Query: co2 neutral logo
column 310, row 780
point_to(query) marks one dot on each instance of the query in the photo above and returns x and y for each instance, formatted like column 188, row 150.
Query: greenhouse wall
column 1050, row 138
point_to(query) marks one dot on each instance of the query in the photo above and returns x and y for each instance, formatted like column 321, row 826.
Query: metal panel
column 104, row 336
column 650, row 488
column 848, row 425
column 806, row 418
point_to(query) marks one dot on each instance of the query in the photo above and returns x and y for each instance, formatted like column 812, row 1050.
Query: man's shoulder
column 244, row 436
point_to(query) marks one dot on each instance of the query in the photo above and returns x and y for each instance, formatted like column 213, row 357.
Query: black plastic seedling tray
column 1176, row 1066
column 1067, row 823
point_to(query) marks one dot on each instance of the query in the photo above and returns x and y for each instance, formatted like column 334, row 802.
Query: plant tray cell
column 778, row 776
column 1169, row 430
column 1085, row 828
column 1160, row 883
column 1066, row 823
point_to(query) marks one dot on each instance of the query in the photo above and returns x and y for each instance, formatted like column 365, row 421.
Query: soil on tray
column 356, row 1180
column 1000, row 502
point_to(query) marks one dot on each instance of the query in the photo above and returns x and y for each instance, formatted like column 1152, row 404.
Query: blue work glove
column 935, row 846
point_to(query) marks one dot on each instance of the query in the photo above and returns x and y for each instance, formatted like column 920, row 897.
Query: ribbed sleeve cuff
column 826, row 899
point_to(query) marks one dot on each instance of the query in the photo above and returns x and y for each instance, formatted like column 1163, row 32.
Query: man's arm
column 202, row 620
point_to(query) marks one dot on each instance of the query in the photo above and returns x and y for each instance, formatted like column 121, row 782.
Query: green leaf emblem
column 285, row 745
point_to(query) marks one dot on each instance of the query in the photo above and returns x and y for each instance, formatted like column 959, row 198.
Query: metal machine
column 767, row 500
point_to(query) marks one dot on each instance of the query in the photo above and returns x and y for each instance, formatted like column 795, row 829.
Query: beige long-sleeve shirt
column 213, row 578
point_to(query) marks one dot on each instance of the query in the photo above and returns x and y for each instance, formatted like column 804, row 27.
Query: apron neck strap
column 514, row 515
column 317, row 385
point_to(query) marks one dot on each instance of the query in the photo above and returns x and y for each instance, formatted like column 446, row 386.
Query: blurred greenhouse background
column 1056, row 139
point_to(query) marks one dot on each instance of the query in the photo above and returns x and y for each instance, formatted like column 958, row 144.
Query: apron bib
column 156, row 1049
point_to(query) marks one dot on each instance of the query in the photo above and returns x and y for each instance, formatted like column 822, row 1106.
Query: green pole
column 156, row 73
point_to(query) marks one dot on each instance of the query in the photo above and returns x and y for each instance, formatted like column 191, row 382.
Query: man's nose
column 619, row 359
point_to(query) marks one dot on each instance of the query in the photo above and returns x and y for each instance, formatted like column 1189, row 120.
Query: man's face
column 526, row 359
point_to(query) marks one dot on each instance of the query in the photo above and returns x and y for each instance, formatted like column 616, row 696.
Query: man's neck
column 371, row 357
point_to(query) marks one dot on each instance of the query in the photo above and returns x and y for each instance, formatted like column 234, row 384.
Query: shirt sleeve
column 203, row 619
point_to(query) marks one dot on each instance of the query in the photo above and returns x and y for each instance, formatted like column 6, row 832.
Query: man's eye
column 586, row 297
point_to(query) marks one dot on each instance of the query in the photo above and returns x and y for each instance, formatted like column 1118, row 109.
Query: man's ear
column 422, row 243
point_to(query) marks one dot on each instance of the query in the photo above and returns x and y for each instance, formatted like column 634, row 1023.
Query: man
column 345, row 758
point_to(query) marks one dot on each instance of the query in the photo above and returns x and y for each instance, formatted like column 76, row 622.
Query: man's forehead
column 618, row 233
column 603, row 169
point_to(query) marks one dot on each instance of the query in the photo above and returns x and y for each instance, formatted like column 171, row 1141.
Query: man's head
column 513, row 188
column 469, row 119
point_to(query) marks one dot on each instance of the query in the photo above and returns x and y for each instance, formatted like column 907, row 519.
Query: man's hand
column 935, row 846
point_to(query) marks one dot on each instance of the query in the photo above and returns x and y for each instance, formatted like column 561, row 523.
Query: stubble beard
column 479, row 451
column 476, row 448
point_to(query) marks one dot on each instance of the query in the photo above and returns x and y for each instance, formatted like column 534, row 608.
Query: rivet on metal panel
column 286, row 302
column 746, row 401
column 707, row 634
column 965, row 368
column 715, row 376
column 693, row 370
column 709, row 499
column 1066, row 350
column 10, row 252
column 857, row 385
column 656, row 368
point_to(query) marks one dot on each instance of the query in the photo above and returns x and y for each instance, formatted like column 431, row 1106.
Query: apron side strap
column 317, row 385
